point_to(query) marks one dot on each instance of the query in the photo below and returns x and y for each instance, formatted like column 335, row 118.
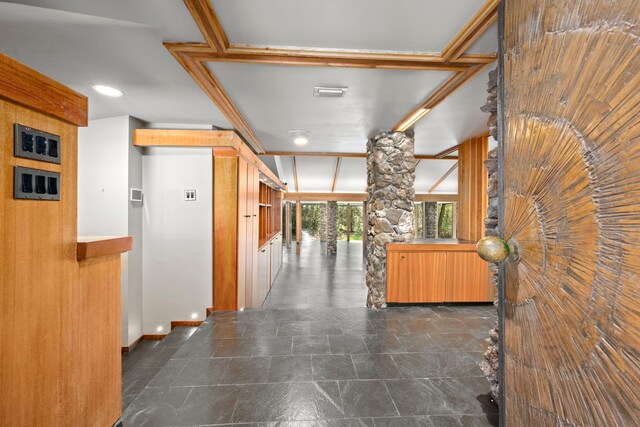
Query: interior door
column 243, row 242
column 571, row 165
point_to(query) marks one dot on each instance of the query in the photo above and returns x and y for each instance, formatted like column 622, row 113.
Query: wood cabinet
column 243, row 224
column 436, row 271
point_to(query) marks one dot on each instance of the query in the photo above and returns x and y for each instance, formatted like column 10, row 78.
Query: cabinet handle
column 247, row 216
column 263, row 250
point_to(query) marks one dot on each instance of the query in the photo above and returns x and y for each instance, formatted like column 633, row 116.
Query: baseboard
column 153, row 337
column 209, row 311
column 132, row 345
column 175, row 323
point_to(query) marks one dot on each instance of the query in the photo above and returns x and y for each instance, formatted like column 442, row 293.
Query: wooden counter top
column 97, row 246
column 422, row 245
column 267, row 239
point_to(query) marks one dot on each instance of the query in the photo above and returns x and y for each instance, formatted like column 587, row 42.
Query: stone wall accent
column 431, row 212
column 489, row 365
column 332, row 227
column 323, row 222
column 390, row 176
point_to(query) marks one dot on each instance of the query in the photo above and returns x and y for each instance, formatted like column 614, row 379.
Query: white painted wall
column 108, row 165
column 177, row 236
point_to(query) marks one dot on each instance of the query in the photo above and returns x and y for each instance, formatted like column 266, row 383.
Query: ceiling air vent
column 329, row 92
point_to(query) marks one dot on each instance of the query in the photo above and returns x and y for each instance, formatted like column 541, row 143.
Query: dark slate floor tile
column 209, row 405
column 293, row 327
column 168, row 373
column 261, row 330
column 325, row 327
column 156, row 357
column 383, row 344
column 358, row 327
column 402, row 422
column 388, row 326
column 275, row 346
column 262, row 403
column 317, row 344
column 290, row 369
column 235, row 347
column 314, row 401
column 418, row 397
column 460, row 341
column 464, row 420
column 364, row 313
column 132, row 357
column 246, row 370
column 221, row 330
column 336, row 367
column 418, row 343
column 418, row 326
column 448, row 325
column 282, row 314
column 134, row 380
column 155, row 407
column 177, row 336
column 375, row 366
column 437, row 364
column 466, row 395
column 202, row 372
column 196, row 348
column 347, row 344
column 366, row 398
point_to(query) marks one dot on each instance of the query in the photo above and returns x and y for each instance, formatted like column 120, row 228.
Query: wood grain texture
column 416, row 276
column 225, row 233
column 22, row 85
column 351, row 155
column 443, row 177
column 478, row 25
column 243, row 236
column 468, row 278
column 94, row 247
column 571, row 160
column 472, row 188
column 361, row 197
column 208, row 23
column 178, row 323
column 59, row 319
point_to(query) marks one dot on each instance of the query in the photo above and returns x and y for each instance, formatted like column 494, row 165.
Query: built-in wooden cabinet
column 247, row 230
column 437, row 271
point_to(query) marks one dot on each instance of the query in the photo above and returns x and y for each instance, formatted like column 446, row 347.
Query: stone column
column 323, row 222
column 490, row 364
column 332, row 227
column 390, row 176
column 431, row 214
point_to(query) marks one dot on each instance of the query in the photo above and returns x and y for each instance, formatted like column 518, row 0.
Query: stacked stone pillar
column 390, row 176
column 332, row 227
column 323, row 222
column 431, row 212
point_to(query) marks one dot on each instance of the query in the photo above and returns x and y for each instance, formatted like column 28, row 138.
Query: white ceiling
column 398, row 25
column 116, row 42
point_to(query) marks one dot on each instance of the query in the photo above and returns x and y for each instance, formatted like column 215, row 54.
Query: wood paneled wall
column 59, row 319
column 472, row 188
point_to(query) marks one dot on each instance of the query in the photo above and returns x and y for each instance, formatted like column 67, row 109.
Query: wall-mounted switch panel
column 35, row 184
column 189, row 195
column 36, row 144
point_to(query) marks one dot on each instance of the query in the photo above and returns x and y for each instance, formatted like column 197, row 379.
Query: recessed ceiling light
column 329, row 92
column 108, row 91
column 300, row 137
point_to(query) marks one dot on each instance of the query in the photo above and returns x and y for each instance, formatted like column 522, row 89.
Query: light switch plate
column 189, row 195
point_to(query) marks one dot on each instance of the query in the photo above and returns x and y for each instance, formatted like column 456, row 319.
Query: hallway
column 314, row 356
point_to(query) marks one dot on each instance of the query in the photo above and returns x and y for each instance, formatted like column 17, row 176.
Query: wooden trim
column 481, row 21
column 221, row 141
column 447, row 88
column 210, row 310
column 450, row 150
column 153, row 337
column 335, row 175
column 436, row 197
column 426, row 245
column 295, row 173
column 22, row 85
column 446, row 174
column 348, row 155
column 208, row 23
column 360, row 197
column 94, row 247
column 176, row 323
column 131, row 346
column 208, row 83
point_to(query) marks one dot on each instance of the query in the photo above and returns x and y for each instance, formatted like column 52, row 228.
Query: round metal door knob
column 494, row 249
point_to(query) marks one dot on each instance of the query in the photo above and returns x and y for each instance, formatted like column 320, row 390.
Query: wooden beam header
column 352, row 155
column 361, row 197
column 22, row 85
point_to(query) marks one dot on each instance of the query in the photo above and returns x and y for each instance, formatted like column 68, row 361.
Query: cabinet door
column 468, row 278
column 242, row 234
column 254, row 188
column 416, row 276
column 263, row 275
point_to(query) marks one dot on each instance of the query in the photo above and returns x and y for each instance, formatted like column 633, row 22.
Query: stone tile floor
column 400, row 366
column 314, row 356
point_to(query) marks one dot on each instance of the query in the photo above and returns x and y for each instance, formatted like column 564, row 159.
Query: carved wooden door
column 571, row 199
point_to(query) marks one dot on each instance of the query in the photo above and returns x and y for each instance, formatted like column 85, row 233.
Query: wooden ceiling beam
column 449, row 150
column 348, row 155
column 447, row 173
column 335, row 175
column 481, row 21
column 295, row 174
column 361, row 197
column 208, row 83
column 208, row 23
